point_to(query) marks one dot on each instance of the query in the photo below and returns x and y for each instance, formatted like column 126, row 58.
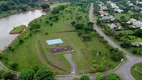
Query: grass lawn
column 17, row 29
column 118, row 15
column 34, row 51
column 137, row 75
column 95, row 19
column 125, row 31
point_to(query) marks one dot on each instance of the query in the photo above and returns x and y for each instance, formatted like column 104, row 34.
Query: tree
column 7, row 75
column 123, row 19
column 35, row 27
column 116, row 55
column 87, row 37
column 125, row 44
column 90, row 24
column 1, row 72
column 87, row 29
column 44, row 74
column 113, row 76
column 27, row 75
column 20, row 40
column 84, row 78
column 79, row 26
column 14, row 65
column 45, row 6
column 73, row 23
column 99, row 76
column 138, row 33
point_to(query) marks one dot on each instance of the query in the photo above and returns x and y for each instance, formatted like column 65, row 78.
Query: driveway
column 124, row 69
column 73, row 73
column 72, row 64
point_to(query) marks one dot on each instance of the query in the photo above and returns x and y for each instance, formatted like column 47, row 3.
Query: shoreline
column 16, row 37
column 20, row 12
column 24, row 28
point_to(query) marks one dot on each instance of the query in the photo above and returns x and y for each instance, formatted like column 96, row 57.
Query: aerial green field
column 136, row 74
column 34, row 51
column 17, row 29
column 118, row 15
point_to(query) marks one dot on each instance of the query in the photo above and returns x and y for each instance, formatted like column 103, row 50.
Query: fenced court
column 58, row 48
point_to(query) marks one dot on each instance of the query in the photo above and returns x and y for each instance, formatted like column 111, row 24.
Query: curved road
column 73, row 73
column 124, row 69
column 72, row 64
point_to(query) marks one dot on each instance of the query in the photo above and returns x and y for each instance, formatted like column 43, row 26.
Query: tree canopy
column 44, row 74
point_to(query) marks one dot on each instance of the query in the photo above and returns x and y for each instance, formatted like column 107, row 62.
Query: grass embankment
column 18, row 29
column 34, row 51
column 136, row 71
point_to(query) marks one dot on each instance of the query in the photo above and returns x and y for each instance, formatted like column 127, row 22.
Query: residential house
column 107, row 18
column 46, row 1
column 118, row 10
column 136, row 23
column 103, row 13
column 115, row 26
column 138, row 44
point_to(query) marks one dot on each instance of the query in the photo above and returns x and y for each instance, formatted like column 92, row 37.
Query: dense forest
column 18, row 5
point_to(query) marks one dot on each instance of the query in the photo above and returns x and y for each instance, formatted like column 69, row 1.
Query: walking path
column 124, row 69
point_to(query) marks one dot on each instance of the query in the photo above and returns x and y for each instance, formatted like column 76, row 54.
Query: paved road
column 72, row 64
column 73, row 73
column 124, row 69
column 67, row 77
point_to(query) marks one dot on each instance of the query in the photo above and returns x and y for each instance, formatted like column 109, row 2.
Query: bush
column 84, row 78
column 99, row 76
column 116, row 55
column 14, row 65
column 27, row 75
column 7, row 75
column 113, row 76
column 44, row 74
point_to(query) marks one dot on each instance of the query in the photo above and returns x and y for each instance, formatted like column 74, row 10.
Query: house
column 46, row 1
column 138, row 44
column 138, row 2
column 107, row 18
column 136, row 23
column 118, row 10
column 112, row 26
column 103, row 13
column 115, row 26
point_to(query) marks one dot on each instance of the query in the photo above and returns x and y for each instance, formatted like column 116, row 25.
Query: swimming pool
column 54, row 41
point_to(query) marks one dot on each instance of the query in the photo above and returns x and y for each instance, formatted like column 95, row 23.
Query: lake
column 8, row 23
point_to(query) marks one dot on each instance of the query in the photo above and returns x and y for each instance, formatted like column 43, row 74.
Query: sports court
column 58, row 48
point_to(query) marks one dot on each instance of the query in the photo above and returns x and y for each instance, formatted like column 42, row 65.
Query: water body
column 8, row 23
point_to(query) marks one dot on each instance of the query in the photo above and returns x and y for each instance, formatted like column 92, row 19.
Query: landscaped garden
column 136, row 71
column 18, row 29
column 71, row 25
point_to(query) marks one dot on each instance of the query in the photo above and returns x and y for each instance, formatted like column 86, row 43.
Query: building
column 138, row 44
column 112, row 26
column 136, row 23
column 118, row 10
column 107, row 18
column 115, row 26
column 47, row 1
column 103, row 13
